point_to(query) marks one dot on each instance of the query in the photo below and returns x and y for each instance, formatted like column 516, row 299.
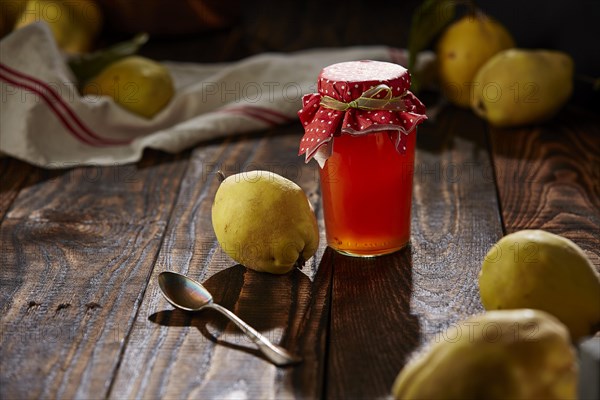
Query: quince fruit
column 520, row 87
column 138, row 84
column 537, row 269
column 264, row 221
column 74, row 23
column 516, row 354
column 462, row 49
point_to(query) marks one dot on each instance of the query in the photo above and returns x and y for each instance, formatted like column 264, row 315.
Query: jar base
column 369, row 253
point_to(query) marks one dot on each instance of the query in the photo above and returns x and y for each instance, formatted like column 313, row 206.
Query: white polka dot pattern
column 346, row 82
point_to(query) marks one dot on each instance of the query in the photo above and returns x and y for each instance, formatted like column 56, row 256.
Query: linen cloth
column 46, row 122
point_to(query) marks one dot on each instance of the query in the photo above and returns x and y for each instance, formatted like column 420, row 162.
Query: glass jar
column 366, row 186
column 361, row 128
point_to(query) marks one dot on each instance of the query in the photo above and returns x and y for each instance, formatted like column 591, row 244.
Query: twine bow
column 368, row 100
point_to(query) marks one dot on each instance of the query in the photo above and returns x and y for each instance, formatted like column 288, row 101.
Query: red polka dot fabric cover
column 346, row 82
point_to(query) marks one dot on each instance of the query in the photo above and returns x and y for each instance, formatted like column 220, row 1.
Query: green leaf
column 87, row 66
column 427, row 22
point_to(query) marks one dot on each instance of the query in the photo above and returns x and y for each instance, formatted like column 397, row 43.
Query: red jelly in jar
column 361, row 128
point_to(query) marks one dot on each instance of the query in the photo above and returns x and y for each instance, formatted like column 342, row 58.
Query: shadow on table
column 439, row 134
column 267, row 302
column 373, row 326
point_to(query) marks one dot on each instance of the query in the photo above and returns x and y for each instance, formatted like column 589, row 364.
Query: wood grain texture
column 549, row 178
column 172, row 354
column 13, row 175
column 82, row 316
column 77, row 251
column 127, row 194
column 383, row 309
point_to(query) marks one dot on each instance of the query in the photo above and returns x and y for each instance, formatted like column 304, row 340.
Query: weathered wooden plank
column 76, row 256
column 130, row 194
column 13, row 175
column 549, row 178
column 175, row 355
column 385, row 308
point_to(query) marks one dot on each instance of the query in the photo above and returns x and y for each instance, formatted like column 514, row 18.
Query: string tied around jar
column 369, row 100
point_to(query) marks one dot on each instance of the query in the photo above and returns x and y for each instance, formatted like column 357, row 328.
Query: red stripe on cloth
column 57, row 112
column 49, row 94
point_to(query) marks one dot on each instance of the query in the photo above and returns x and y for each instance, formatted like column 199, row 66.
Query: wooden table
column 82, row 316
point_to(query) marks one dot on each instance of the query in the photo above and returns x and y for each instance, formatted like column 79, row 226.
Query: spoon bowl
column 189, row 295
column 183, row 292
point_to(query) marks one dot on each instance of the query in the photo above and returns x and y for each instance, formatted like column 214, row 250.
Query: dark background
column 251, row 27
column 227, row 30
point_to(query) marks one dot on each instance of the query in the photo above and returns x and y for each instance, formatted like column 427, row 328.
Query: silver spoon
column 187, row 294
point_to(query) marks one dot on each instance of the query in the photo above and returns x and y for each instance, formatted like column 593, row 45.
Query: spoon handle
column 278, row 355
